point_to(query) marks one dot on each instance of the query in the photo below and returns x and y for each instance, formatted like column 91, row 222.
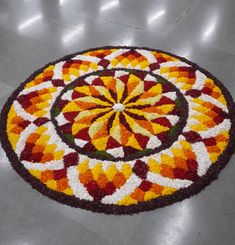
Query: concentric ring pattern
column 119, row 129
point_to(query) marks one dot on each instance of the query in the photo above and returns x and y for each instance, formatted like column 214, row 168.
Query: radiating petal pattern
column 119, row 129
column 121, row 109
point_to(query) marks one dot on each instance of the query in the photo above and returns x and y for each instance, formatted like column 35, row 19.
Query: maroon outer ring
column 196, row 187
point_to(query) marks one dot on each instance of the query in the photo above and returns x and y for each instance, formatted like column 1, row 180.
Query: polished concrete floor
column 34, row 32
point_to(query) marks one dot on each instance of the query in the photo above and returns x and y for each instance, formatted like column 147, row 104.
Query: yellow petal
column 133, row 143
column 100, row 144
column 120, row 89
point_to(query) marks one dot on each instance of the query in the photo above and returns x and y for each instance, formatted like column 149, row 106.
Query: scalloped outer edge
column 179, row 195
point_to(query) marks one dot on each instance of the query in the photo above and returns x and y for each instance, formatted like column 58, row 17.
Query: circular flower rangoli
column 119, row 129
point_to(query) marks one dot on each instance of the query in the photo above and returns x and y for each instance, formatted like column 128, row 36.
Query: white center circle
column 118, row 107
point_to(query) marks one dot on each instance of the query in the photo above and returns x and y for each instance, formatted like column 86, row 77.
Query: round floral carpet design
column 119, row 130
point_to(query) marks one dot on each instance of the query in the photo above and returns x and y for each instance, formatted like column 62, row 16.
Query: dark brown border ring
column 179, row 195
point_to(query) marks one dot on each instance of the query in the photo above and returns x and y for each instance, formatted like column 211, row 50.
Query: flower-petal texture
column 119, row 129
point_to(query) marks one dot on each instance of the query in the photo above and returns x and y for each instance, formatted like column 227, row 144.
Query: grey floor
column 34, row 32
